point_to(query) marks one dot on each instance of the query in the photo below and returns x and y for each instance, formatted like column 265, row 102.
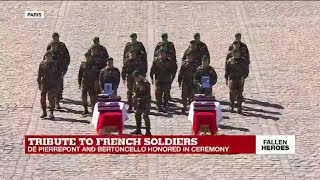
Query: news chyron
column 34, row 14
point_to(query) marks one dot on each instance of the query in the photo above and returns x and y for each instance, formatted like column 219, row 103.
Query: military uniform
column 197, row 55
column 235, row 73
column 143, row 106
column 87, row 78
column 101, row 57
column 169, row 48
column 48, row 81
column 199, row 76
column 164, row 71
column 128, row 68
column 110, row 75
column 62, row 56
column 138, row 47
column 185, row 80
column 204, row 49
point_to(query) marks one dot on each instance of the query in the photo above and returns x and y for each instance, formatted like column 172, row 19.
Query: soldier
column 235, row 74
column 164, row 71
column 87, row 78
column 132, row 63
column 65, row 60
column 110, row 74
column 202, row 46
column 197, row 54
column 205, row 77
column 59, row 57
column 142, row 90
column 48, row 82
column 185, row 79
column 167, row 45
column 136, row 45
column 99, row 52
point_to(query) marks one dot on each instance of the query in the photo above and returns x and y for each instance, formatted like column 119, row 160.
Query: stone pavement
column 282, row 89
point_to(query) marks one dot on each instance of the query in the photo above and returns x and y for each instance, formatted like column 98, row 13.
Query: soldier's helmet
column 55, row 34
column 133, row 35
column 110, row 59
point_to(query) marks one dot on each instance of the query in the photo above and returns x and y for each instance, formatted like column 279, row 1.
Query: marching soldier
column 171, row 53
column 58, row 56
column 202, row 46
column 110, row 74
column 163, row 72
column 235, row 74
column 205, row 77
column 65, row 60
column 197, row 54
column 142, row 91
column 48, row 82
column 185, row 79
column 133, row 63
column 136, row 45
column 168, row 47
column 87, row 78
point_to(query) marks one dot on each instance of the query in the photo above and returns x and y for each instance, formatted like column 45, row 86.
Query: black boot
column 51, row 116
column 183, row 111
column 239, row 110
column 44, row 113
column 85, row 110
column 148, row 133
column 136, row 132
column 58, row 105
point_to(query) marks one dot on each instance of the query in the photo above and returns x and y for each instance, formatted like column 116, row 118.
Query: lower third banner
column 37, row 144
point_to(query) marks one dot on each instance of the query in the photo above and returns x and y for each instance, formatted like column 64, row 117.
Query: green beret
column 133, row 35
column 237, row 35
column 55, row 34
column 196, row 35
column 164, row 35
column 110, row 59
column 95, row 39
column 204, row 58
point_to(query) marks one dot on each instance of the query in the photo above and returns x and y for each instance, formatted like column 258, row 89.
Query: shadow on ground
column 233, row 128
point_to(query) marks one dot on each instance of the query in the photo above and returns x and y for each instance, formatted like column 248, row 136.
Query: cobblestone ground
column 282, row 91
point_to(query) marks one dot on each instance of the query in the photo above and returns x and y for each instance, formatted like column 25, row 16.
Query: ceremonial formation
column 99, row 79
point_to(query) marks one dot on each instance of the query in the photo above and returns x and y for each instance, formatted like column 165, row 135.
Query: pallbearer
column 48, row 82
column 110, row 75
column 137, row 46
column 205, row 77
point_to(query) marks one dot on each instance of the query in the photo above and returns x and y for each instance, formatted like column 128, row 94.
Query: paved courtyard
column 282, row 90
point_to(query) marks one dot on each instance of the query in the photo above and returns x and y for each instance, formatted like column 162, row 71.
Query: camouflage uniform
column 110, row 75
column 244, row 53
column 102, row 56
column 87, row 78
column 143, row 106
column 235, row 73
column 197, row 54
column 185, row 80
column 48, row 81
column 164, row 71
column 128, row 68
column 202, row 46
column 62, row 56
column 201, row 72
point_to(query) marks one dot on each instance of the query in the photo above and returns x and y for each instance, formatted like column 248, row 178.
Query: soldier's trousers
column 143, row 109
column 52, row 93
column 130, row 84
column 97, row 88
column 162, row 92
column 91, row 91
column 60, row 88
column 187, row 94
column 235, row 92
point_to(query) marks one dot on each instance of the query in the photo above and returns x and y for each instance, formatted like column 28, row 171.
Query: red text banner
column 43, row 144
